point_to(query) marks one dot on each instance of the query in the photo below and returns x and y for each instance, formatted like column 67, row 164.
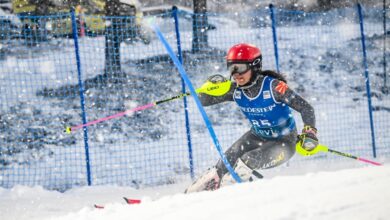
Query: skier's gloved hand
column 216, row 85
column 308, row 138
column 217, row 78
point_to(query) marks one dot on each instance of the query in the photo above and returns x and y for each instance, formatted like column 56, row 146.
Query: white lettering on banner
column 258, row 110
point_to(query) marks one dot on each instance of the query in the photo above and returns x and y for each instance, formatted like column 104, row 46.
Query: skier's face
column 242, row 78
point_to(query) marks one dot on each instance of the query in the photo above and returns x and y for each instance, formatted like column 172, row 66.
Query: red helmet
column 245, row 53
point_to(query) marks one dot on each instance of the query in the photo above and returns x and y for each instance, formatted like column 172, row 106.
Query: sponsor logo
column 258, row 110
column 266, row 94
column 268, row 132
column 274, row 162
column 281, row 87
column 212, row 88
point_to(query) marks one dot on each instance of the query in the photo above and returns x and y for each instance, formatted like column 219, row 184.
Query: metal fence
column 70, row 69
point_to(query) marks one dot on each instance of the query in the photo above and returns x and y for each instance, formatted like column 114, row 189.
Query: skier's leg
column 207, row 182
column 273, row 153
column 268, row 154
column 243, row 171
column 211, row 179
column 245, row 143
column 254, row 153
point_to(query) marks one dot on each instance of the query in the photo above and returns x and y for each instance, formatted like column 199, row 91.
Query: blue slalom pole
column 275, row 38
column 197, row 101
column 367, row 80
column 82, row 101
column 187, row 120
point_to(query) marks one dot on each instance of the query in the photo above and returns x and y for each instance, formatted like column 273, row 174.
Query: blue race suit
column 273, row 134
column 269, row 118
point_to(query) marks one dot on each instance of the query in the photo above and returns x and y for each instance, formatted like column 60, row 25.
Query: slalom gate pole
column 184, row 75
column 325, row 149
column 120, row 114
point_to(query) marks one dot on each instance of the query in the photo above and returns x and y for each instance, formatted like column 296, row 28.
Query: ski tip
column 132, row 201
column 98, row 206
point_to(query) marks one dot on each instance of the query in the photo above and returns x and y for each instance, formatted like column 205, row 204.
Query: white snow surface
column 358, row 193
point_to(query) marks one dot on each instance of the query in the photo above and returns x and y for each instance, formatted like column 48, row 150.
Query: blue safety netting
column 68, row 69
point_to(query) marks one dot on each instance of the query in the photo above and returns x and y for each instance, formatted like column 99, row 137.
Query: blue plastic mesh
column 123, row 66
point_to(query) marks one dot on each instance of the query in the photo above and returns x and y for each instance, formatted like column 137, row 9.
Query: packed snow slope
column 359, row 193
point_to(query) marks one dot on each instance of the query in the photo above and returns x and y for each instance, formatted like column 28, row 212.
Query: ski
column 127, row 200
column 132, row 201
column 98, row 206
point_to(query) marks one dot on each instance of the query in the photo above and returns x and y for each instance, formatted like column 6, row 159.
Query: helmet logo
column 257, row 61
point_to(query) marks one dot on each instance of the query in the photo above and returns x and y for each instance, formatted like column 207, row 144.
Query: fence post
column 180, row 56
column 81, row 90
column 271, row 10
column 367, row 78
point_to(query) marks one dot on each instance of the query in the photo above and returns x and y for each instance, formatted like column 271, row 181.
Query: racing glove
column 308, row 138
column 217, row 78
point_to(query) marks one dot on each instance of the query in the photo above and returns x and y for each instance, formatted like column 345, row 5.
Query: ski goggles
column 239, row 68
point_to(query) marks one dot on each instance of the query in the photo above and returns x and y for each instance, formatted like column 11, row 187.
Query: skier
column 265, row 99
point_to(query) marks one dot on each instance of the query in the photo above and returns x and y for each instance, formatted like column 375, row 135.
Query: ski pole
column 211, row 88
column 120, row 114
column 353, row 157
column 324, row 148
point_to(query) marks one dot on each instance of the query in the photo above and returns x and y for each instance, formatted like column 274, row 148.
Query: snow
column 358, row 193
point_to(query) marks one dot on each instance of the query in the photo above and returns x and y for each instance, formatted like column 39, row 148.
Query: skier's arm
column 308, row 138
column 282, row 93
column 208, row 100
column 217, row 89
